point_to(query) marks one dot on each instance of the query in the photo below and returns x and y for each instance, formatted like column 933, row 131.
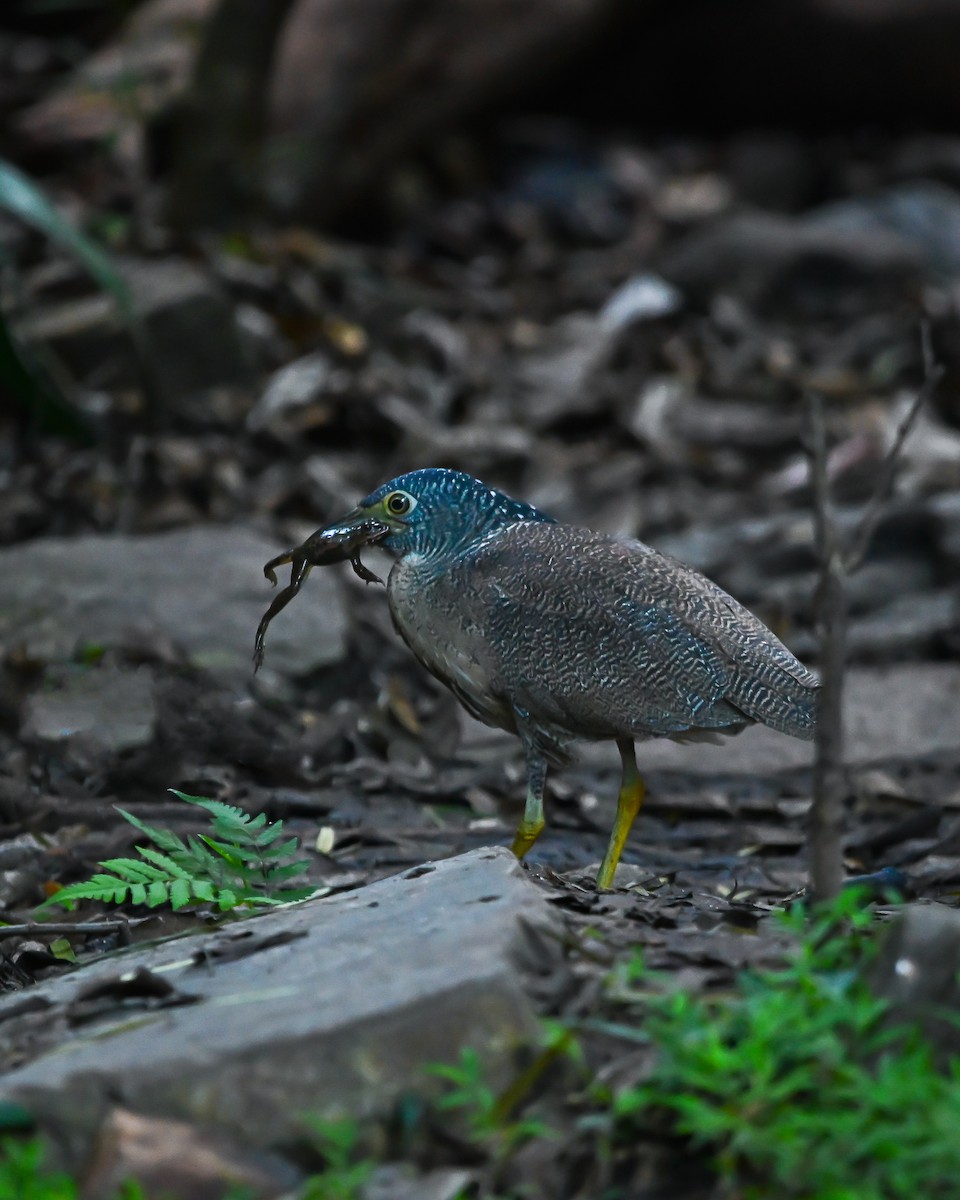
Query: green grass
column 795, row 1085
column 346, row 1170
column 24, row 1175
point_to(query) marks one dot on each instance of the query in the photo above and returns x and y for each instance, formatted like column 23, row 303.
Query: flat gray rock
column 200, row 588
column 188, row 331
column 330, row 1007
column 108, row 708
column 917, row 972
column 188, row 340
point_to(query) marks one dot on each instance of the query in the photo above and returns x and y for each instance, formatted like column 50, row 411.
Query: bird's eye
column 398, row 503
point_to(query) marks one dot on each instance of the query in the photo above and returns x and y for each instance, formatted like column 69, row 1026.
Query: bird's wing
column 567, row 636
column 605, row 635
column 768, row 683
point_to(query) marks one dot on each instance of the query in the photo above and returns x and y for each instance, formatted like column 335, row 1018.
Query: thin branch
column 835, row 566
column 824, row 526
column 826, row 814
column 38, row 928
column 932, row 374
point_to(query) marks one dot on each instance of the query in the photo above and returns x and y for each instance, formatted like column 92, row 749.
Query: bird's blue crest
column 452, row 510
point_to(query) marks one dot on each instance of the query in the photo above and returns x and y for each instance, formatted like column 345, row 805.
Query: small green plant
column 23, row 1175
column 240, row 862
column 22, row 198
column 795, row 1083
column 490, row 1117
column 345, row 1173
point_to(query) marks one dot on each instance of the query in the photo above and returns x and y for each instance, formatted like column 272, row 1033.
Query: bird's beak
column 365, row 519
column 344, row 539
column 351, row 519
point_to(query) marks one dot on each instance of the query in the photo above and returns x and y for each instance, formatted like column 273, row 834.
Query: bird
column 559, row 634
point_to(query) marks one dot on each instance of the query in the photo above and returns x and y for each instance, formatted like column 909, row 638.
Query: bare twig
column 835, row 566
column 39, row 928
column 867, row 526
column 826, row 814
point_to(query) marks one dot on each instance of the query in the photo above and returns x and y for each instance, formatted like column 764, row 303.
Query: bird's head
column 437, row 511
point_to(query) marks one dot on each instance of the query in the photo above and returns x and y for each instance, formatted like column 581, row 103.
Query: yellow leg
column 532, row 824
column 632, row 791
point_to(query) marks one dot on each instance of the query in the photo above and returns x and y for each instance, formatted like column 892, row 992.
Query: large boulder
column 332, row 1007
column 199, row 589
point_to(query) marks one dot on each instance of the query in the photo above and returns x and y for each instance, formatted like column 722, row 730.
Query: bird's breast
column 438, row 629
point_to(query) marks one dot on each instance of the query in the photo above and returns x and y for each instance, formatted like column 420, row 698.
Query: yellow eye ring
column 398, row 504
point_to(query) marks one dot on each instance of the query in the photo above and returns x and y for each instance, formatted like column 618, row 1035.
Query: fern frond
column 237, row 856
column 285, row 849
column 107, row 888
column 170, row 865
column 285, row 871
column 216, row 809
column 166, row 839
column 242, row 861
column 133, row 870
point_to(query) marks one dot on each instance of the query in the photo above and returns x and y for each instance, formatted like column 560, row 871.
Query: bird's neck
column 441, row 543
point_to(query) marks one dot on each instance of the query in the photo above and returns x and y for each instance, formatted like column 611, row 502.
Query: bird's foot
column 527, row 834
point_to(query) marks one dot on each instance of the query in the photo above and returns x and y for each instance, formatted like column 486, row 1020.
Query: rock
column 187, row 339
column 926, row 216
column 178, row 1161
column 917, row 972
column 24, row 866
column 200, row 588
column 188, row 330
column 402, row 1181
column 644, row 297
column 911, row 626
column 107, row 708
column 789, row 266
column 898, row 711
column 578, row 345
column 85, row 331
column 331, row 1007
column 289, row 394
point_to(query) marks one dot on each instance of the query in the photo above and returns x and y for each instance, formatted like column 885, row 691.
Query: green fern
column 240, row 862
